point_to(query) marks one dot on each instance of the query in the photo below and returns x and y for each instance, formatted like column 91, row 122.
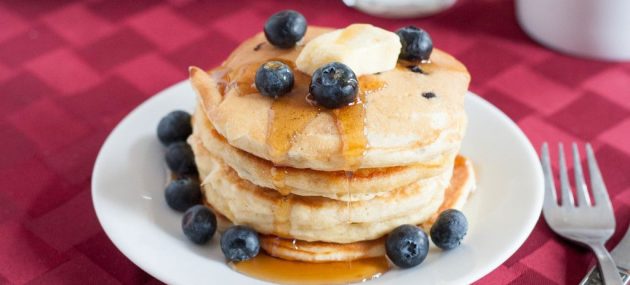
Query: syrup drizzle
column 349, row 175
column 292, row 112
column 243, row 78
column 282, row 214
column 278, row 178
column 351, row 123
column 289, row 116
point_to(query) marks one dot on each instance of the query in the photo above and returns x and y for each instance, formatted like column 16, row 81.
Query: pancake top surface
column 401, row 116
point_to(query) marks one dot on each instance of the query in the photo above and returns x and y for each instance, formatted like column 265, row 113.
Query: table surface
column 70, row 71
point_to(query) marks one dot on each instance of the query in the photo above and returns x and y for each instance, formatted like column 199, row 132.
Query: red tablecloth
column 69, row 71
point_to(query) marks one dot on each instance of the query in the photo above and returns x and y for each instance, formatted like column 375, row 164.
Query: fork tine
column 565, row 189
column 550, row 189
column 580, row 185
column 600, row 194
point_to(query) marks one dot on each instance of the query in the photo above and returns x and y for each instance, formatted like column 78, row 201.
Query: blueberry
column 416, row 44
column 449, row 229
column 428, row 95
column 407, row 246
column 240, row 243
column 180, row 159
column 174, row 127
column 274, row 78
column 334, row 85
column 285, row 28
column 416, row 69
column 183, row 193
column 199, row 224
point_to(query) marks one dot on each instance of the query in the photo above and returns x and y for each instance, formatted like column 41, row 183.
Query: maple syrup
column 289, row 116
column 278, row 178
column 220, row 75
column 351, row 123
column 349, row 175
column 291, row 113
column 282, row 271
column 282, row 214
column 243, row 78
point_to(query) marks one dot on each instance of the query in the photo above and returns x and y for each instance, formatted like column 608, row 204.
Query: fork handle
column 607, row 266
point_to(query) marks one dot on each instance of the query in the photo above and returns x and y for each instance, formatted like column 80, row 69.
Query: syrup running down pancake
column 327, row 185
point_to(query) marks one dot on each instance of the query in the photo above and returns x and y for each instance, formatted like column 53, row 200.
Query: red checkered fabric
column 70, row 70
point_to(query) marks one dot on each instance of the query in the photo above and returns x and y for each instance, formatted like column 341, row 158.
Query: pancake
column 463, row 182
column 314, row 218
column 369, row 134
column 321, row 251
column 363, row 184
column 461, row 185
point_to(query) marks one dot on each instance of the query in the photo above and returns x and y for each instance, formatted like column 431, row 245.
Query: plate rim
column 523, row 234
column 533, row 218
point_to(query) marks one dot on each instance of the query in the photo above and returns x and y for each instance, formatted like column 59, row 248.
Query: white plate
column 130, row 175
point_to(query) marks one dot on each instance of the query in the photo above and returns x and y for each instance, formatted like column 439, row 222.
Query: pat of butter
column 366, row 49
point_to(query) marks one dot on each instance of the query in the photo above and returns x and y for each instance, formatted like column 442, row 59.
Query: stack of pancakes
column 326, row 185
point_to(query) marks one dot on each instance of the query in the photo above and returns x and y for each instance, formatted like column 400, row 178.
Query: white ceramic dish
column 130, row 175
column 593, row 29
column 397, row 9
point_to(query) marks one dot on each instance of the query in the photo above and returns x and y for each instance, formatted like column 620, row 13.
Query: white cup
column 400, row 8
column 589, row 28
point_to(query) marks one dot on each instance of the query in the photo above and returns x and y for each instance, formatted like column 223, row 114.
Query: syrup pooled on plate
column 282, row 271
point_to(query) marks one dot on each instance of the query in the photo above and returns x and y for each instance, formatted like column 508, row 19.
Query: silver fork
column 586, row 223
